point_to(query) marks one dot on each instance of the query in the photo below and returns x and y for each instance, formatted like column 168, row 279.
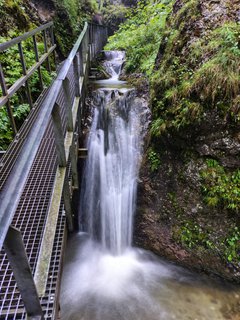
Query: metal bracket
column 82, row 153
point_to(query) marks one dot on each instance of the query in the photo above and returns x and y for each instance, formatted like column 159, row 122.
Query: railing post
column 81, row 61
column 76, row 76
column 73, row 156
column 24, row 73
column 53, row 43
column 9, row 109
column 37, row 60
column 67, row 204
column 17, row 256
column 59, row 137
column 46, row 49
column 67, row 94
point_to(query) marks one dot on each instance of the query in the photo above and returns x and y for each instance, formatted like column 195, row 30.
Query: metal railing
column 89, row 43
column 7, row 93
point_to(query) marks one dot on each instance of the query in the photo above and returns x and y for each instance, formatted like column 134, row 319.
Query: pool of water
column 137, row 285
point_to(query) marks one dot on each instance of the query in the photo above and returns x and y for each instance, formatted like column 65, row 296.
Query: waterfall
column 104, row 278
column 109, row 183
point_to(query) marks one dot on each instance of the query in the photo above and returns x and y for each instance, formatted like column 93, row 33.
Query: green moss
column 14, row 17
column 219, row 77
column 188, row 12
column 201, row 237
column 175, row 204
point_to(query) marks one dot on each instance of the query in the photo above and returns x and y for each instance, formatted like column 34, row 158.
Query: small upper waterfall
column 113, row 63
column 109, row 185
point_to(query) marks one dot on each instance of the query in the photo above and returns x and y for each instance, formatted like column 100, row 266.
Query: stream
column 104, row 276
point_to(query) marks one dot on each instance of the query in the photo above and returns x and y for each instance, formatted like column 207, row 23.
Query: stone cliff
column 189, row 190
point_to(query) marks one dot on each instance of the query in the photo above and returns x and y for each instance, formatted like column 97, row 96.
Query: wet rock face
column 170, row 203
column 214, row 12
column 46, row 9
column 173, row 218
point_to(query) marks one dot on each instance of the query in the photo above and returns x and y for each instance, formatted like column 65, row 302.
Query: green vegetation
column 192, row 76
column 220, row 187
column 205, row 78
column 12, row 68
column 114, row 15
column 154, row 160
column 233, row 246
column 192, row 64
column 18, row 17
column 15, row 16
column 69, row 19
column 193, row 236
column 141, row 34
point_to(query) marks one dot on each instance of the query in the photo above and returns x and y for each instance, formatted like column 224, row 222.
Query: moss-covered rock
column 189, row 207
column 17, row 16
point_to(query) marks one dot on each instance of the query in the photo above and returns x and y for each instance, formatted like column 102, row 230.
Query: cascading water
column 109, row 187
column 104, row 278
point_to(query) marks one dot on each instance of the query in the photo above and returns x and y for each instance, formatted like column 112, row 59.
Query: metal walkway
column 38, row 174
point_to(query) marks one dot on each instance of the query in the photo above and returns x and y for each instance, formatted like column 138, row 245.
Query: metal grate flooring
column 30, row 219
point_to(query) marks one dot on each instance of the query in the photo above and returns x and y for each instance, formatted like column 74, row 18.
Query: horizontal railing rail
column 4, row 46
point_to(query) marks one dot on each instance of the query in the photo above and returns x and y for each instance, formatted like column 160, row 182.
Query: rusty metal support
column 82, row 153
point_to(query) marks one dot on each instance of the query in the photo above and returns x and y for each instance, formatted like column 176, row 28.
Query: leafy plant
column 221, row 187
column 5, row 130
column 154, row 159
column 191, row 234
column 232, row 252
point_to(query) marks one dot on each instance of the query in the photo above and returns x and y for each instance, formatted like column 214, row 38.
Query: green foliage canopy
column 141, row 34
